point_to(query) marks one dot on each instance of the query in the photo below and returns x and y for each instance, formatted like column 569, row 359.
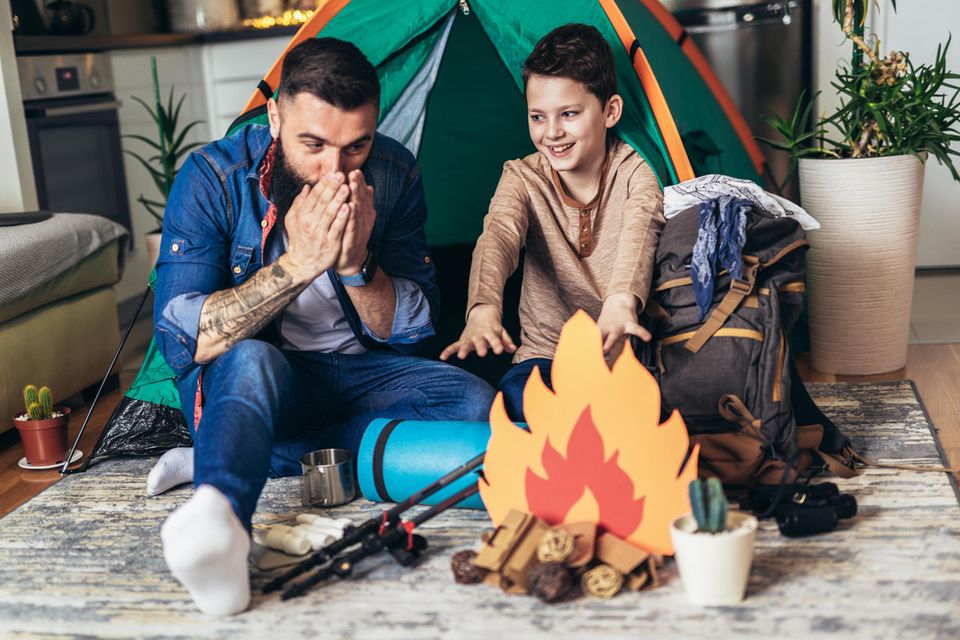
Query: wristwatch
column 367, row 272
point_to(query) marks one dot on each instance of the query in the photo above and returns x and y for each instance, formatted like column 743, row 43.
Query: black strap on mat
column 378, row 451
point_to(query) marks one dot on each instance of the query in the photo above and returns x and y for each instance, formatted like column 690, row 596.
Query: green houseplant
column 168, row 150
column 714, row 546
column 889, row 106
column 861, row 176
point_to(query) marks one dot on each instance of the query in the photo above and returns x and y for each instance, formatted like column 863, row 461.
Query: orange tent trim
column 661, row 111
column 700, row 63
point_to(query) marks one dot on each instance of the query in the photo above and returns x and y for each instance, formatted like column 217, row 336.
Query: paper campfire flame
column 595, row 450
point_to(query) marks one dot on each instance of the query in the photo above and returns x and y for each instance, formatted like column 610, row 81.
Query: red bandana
column 266, row 175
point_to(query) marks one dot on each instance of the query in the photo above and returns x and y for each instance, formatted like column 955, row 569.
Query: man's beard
column 285, row 183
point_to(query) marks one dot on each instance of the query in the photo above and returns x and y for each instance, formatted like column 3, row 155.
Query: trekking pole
column 96, row 398
column 353, row 535
column 401, row 533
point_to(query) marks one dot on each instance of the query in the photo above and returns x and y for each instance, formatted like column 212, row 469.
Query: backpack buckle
column 745, row 284
column 742, row 286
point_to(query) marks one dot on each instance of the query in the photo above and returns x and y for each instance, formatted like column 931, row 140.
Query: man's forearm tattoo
column 234, row 314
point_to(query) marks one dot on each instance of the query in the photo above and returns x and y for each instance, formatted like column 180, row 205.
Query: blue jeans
column 514, row 380
column 264, row 408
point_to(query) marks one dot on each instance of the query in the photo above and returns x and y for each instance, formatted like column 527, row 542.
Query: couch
column 61, row 332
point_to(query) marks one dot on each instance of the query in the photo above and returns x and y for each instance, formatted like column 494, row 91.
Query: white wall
column 178, row 66
column 917, row 27
column 17, row 189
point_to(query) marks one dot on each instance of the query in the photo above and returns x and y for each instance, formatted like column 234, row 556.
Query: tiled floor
column 936, row 308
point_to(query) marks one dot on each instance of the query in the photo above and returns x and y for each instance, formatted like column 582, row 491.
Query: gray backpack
column 730, row 374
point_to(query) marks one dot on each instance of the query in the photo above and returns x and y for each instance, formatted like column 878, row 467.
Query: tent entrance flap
column 405, row 120
column 476, row 120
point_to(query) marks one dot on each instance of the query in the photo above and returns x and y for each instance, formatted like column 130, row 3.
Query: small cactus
column 30, row 396
column 35, row 411
column 39, row 404
column 709, row 505
column 46, row 401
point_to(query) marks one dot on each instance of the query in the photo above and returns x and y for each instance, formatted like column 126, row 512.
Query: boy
column 587, row 207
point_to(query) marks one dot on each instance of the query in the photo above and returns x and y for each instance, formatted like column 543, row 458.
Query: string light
column 289, row 18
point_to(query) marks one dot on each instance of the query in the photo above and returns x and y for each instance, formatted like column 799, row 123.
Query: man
column 294, row 276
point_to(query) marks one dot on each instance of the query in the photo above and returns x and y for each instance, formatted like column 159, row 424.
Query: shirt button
column 263, row 223
column 237, row 269
column 584, row 228
column 584, row 213
column 174, row 247
column 584, row 245
column 426, row 259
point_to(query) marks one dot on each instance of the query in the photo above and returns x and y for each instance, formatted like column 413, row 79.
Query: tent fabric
column 451, row 90
column 406, row 117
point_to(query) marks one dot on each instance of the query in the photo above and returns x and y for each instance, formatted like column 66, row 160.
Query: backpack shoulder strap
column 739, row 289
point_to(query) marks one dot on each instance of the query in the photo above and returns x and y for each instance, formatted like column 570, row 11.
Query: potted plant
column 714, row 547
column 43, row 427
column 170, row 148
column 861, row 176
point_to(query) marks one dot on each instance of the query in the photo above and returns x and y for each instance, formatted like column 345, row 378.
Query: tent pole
column 126, row 334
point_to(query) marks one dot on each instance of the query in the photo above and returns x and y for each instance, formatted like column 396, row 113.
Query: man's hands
column 618, row 318
column 315, row 227
column 483, row 332
column 359, row 225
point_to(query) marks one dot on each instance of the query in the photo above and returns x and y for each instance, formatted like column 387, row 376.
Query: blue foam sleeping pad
column 398, row 458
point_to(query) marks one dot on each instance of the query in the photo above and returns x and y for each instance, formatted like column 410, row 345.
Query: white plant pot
column 714, row 567
column 152, row 243
column 860, row 267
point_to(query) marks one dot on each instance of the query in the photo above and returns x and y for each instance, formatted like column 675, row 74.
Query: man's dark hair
column 333, row 70
column 578, row 52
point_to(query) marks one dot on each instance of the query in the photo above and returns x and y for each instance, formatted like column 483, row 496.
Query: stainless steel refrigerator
column 761, row 53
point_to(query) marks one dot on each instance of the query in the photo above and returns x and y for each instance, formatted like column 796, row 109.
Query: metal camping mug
column 327, row 479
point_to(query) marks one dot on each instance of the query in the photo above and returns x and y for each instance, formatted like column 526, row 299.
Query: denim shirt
column 217, row 234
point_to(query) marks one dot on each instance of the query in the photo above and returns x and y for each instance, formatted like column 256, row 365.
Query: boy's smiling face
column 568, row 124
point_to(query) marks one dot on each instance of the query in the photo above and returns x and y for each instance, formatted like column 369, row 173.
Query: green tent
column 452, row 93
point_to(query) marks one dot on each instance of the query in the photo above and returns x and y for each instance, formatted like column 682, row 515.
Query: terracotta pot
column 714, row 567
column 44, row 441
column 860, row 267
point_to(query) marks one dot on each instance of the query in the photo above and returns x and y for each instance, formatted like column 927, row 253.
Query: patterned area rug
column 83, row 559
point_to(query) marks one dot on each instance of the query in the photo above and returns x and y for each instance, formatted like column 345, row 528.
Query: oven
column 74, row 133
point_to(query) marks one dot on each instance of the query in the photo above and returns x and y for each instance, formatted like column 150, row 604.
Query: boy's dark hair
column 333, row 70
column 578, row 52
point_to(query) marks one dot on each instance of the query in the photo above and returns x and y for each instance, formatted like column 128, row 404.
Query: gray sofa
column 63, row 331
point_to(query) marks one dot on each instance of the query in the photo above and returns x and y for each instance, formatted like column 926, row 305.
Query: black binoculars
column 801, row 509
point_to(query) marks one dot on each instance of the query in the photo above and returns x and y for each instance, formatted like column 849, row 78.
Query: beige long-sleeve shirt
column 577, row 253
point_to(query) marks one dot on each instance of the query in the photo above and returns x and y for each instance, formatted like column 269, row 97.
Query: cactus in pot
column 714, row 546
column 709, row 505
column 43, row 430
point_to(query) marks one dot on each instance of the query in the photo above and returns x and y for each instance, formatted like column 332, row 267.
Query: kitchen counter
column 65, row 44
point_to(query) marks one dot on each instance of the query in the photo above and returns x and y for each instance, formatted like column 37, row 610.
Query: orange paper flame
column 620, row 467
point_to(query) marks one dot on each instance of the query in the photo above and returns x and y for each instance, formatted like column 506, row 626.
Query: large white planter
column 714, row 567
column 860, row 267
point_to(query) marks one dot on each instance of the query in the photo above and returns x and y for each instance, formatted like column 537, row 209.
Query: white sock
column 206, row 549
column 173, row 468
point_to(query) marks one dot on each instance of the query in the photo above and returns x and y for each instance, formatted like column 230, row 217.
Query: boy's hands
column 359, row 225
column 482, row 333
column 618, row 318
column 315, row 227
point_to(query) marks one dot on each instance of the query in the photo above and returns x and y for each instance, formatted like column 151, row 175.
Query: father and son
column 295, row 281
